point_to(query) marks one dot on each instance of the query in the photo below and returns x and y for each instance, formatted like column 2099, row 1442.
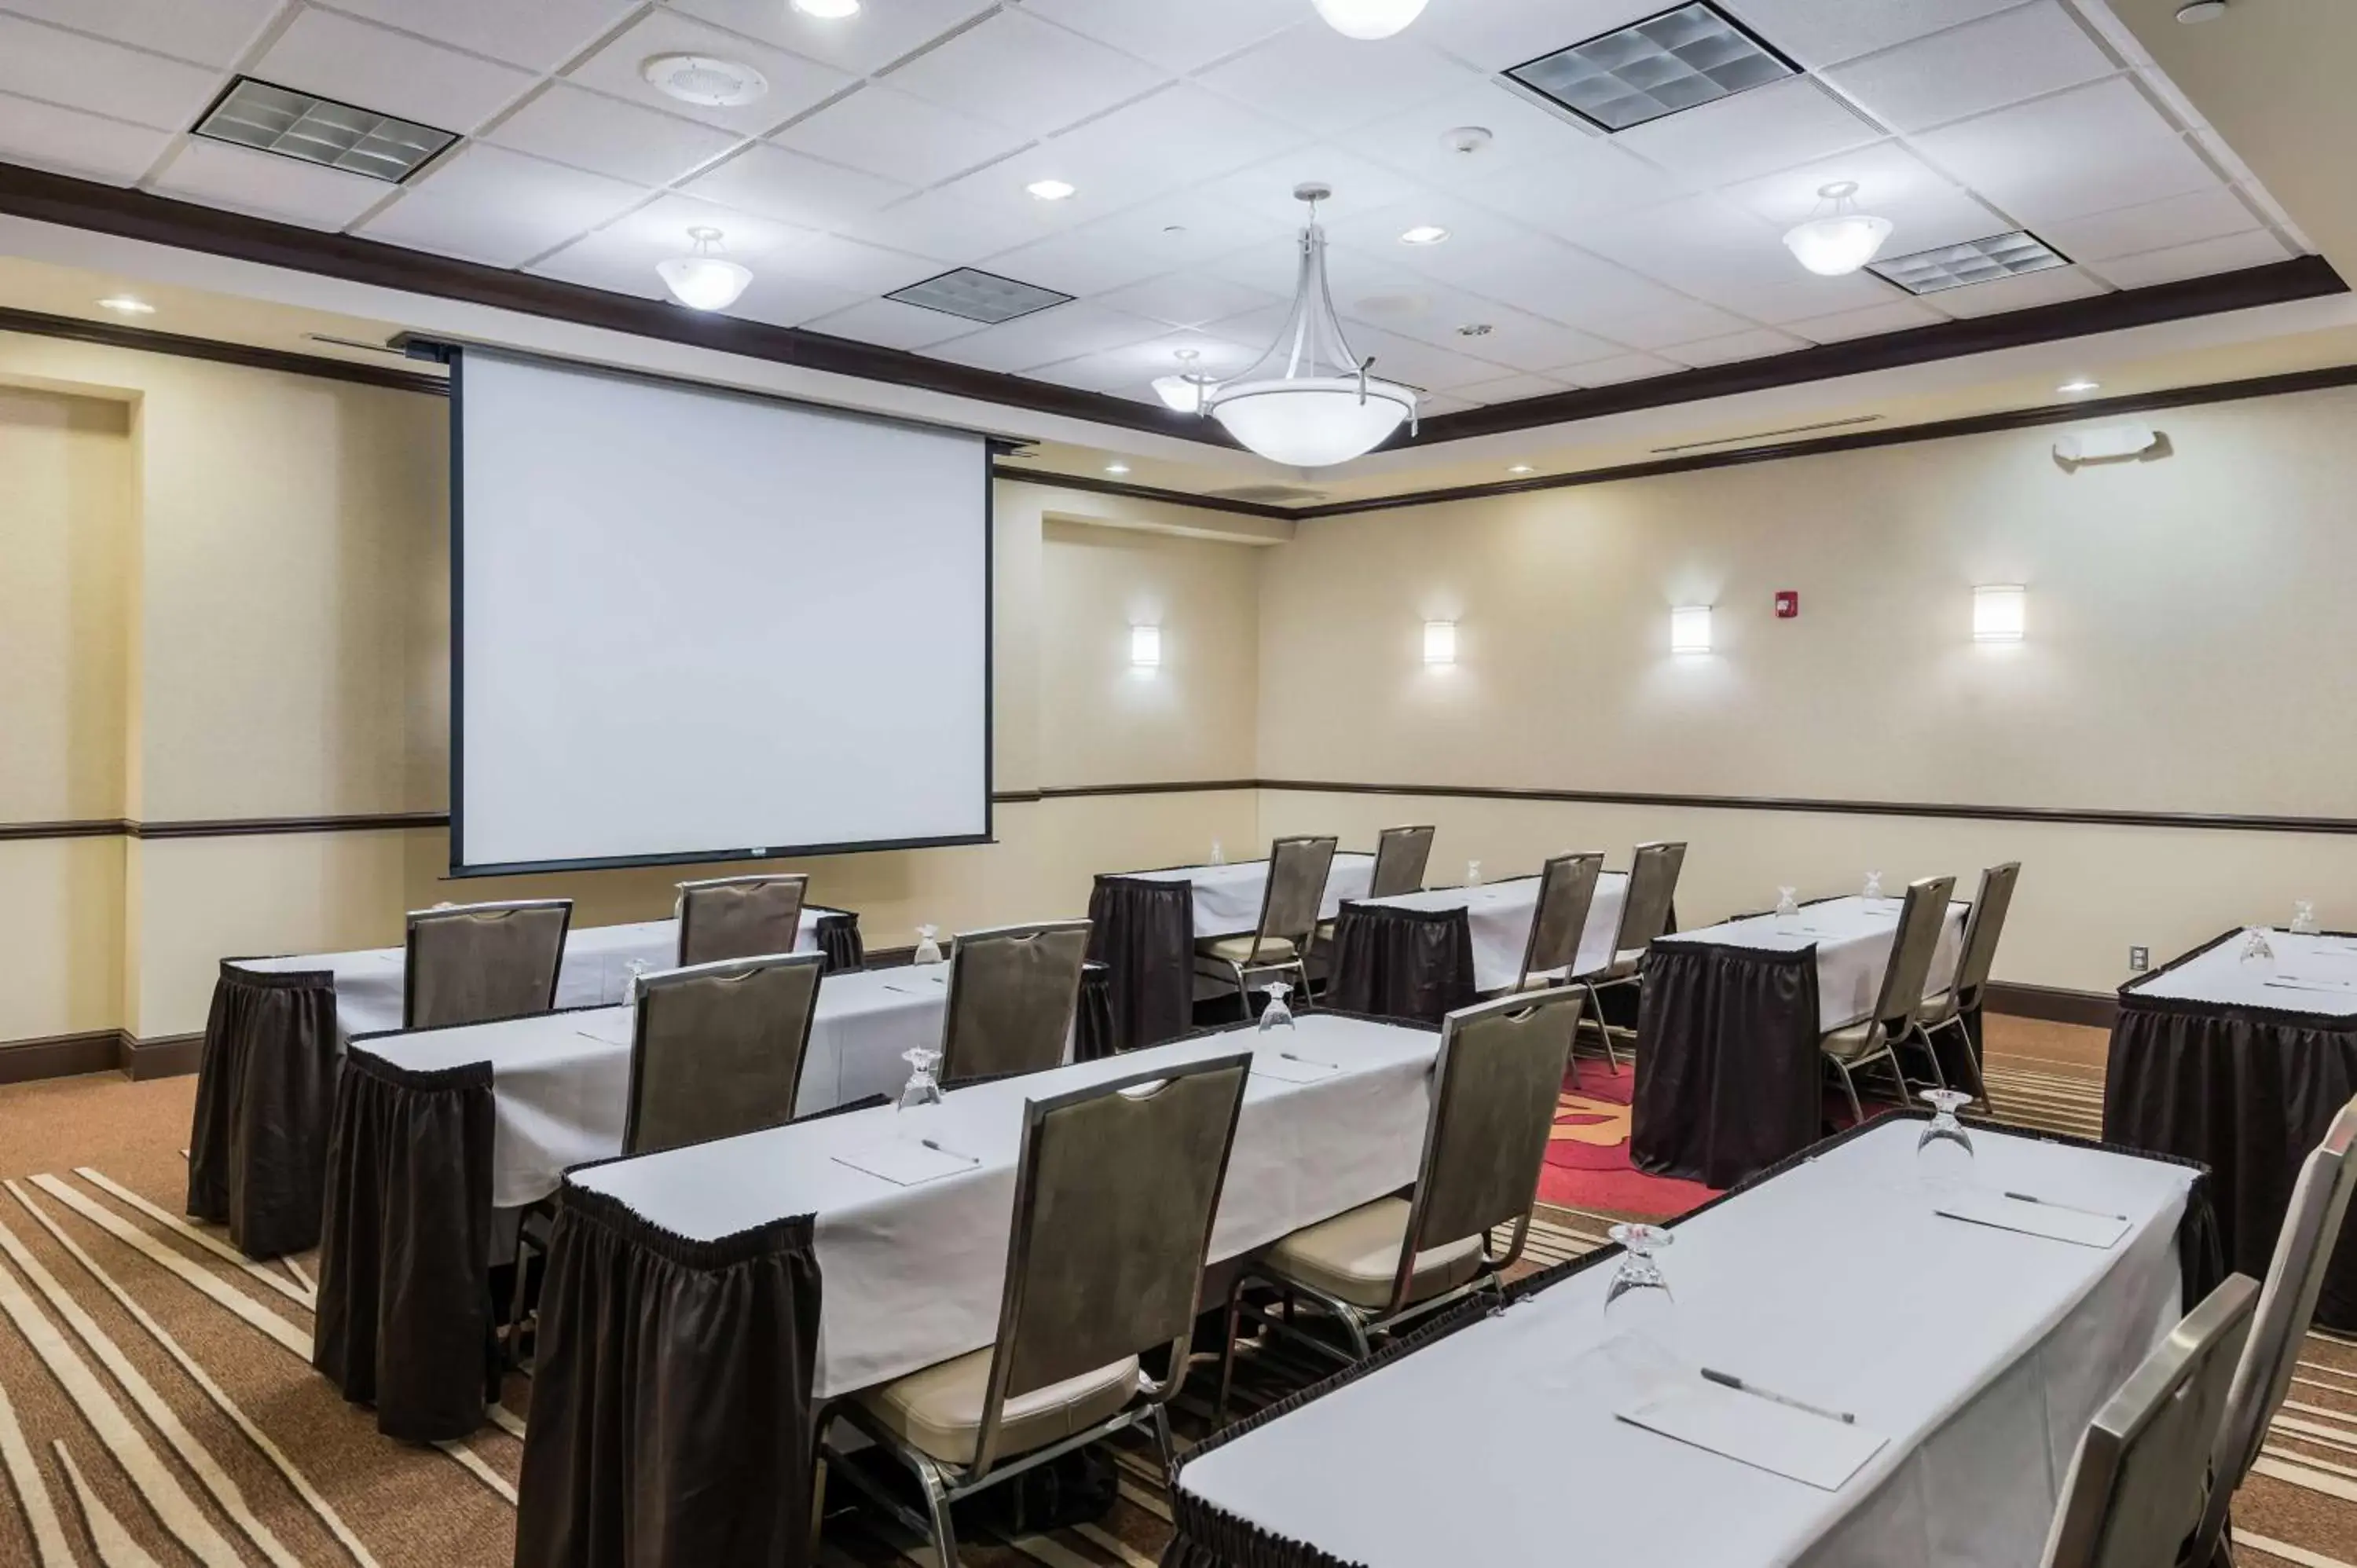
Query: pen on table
column 1729, row 1380
column 2050, row 1203
column 1306, row 1061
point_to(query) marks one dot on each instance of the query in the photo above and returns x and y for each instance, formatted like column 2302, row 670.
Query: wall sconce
column 1690, row 628
column 1441, row 642
column 1145, row 647
column 2000, row 611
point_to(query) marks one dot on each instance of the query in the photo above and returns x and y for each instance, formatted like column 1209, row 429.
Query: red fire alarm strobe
column 1788, row 603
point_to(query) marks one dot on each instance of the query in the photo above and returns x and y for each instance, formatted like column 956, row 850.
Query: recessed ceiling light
column 706, row 79
column 828, row 10
column 1051, row 189
column 1424, row 234
column 2081, row 385
column 2201, row 11
column 127, row 305
column 1116, row 467
column 1520, row 468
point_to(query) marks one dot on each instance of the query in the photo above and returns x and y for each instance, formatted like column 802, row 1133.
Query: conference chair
column 2140, row 1479
column 472, row 964
column 1876, row 1038
column 1116, row 1186
column 1289, row 903
column 1401, row 854
column 1644, row 914
column 2319, row 1203
column 1948, row 1009
column 1496, row 1080
column 718, row 1048
column 739, row 917
column 1012, row 993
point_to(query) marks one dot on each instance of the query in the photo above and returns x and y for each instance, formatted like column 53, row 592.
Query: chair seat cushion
column 1239, row 949
column 938, row 1412
column 1850, row 1043
column 1623, row 965
column 1354, row 1256
column 1936, row 1006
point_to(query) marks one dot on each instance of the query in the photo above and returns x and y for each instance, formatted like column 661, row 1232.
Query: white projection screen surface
column 690, row 625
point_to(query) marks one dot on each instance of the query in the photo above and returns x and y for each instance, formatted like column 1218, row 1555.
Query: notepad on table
column 905, row 1162
column 1813, row 1449
column 1287, row 1069
column 2080, row 1226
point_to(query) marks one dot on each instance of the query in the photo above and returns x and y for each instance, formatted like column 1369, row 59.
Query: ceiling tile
column 73, row 143
column 1186, row 230
column 1756, row 344
column 2172, row 99
column 1579, row 181
column 795, row 83
column 776, row 182
column 541, row 36
column 570, row 124
column 2157, row 225
column 486, row 204
column 1420, row 364
column 1521, row 136
column 1059, row 332
column 1825, row 32
column 852, row 264
column 1512, row 389
column 1432, row 405
column 1265, row 190
column 2229, row 254
column 1472, row 232
column 1076, row 263
column 75, row 72
column 783, row 301
column 1272, row 268
column 1693, row 241
column 2088, row 150
column 1313, row 77
column 867, row 41
column 1985, row 65
column 1178, row 134
column 214, row 33
column 1896, row 315
column 1792, row 292
column 244, row 181
column 1497, row 34
column 375, row 67
column 2051, row 287
column 1176, row 38
column 622, row 256
column 1515, row 338
column 1023, row 74
column 900, row 138
column 892, row 325
column 1925, row 209
column 1551, row 279
column 1130, row 370
column 937, row 223
column 1187, row 299
column 1790, row 122
column 1620, row 368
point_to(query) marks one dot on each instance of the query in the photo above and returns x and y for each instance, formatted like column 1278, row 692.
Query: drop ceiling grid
column 899, row 147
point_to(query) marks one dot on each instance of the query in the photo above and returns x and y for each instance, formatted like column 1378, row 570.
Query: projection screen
column 693, row 624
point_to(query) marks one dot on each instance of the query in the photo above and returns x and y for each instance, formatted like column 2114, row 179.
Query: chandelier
column 1308, row 401
column 1841, row 240
column 703, row 279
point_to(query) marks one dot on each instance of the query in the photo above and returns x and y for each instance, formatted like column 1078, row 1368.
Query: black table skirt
column 2248, row 1091
column 1208, row 1537
column 266, row 1090
column 1411, row 964
column 1728, row 1080
column 1143, row 931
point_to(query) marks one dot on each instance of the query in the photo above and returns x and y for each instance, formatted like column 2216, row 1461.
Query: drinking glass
column 1873, row 885
column 2257, row 951
column 928, row 949
column 2303, row 917
column 922, row 1088
column 1276, row 1015
column 1219, row 854
column 1639, row 1298
column 1788, row 909
column 1472, row 873
column 1943, row 1154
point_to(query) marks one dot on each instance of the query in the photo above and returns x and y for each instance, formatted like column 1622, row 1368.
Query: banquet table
column 2242, row 1067
column 1729, row 1075
column 1418, row 955
column 441, row 1134
column 266, row 1080
column 686, row 1342
column 1975, row 1354
column 1144, row 926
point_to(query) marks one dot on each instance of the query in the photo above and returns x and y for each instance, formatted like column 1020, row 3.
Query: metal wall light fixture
column 1441, row 642
column 1690, row 628
column 1146, row 648
column 2000, row 612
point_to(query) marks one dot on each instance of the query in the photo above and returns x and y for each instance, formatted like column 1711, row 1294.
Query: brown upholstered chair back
column 1653, row 888
column 1921, row 920
column 739, row 917
column 1012, row 992
column 1982, row 928
column 717, row 1049
column 1494, row 1090
column 1115, row 1189
column 1566, row 890
column 473, row 964
column 1298, row 868
column 1401, row 854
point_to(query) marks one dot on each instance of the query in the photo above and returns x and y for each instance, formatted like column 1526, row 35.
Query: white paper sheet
column 1758, row 1432
column 905, row 1162
column 1288, row 1069
column 2051, row 1220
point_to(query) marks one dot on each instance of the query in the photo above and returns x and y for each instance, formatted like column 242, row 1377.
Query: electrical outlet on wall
column 2139, row 960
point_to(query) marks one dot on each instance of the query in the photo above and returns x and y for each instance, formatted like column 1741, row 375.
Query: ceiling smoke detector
column 1475, row 329
column 2194, row 11
column 1466, row 139
column 707, row 81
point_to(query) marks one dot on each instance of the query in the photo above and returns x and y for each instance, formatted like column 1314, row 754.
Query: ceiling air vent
column 978, row 296
column 1975, row 261
column 1270, row 494
column 321, row 131
column 1680, row 59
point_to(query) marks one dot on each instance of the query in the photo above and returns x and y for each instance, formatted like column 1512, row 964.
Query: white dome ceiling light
column 1309, row 403
column 1368, row 18
column 1837, row 238
column 705, row 280
column 828, row 10
column 1185, row 388
column 704, row 80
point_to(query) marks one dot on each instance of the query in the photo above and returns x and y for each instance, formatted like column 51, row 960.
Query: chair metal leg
column 1595, row 1015
column 1164, row 1443
column 1227, row 1350
column 1849, row 1087
column 937, row 1503
column 1355, row 1325
column 511, row 1354
column 1972, row 1061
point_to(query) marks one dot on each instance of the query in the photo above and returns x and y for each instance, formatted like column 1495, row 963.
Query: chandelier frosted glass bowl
column 1308, row 402
column 1368, row 18
column 705, row 280
column 1843, row 239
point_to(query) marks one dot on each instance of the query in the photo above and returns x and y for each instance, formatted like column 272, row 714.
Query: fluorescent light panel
column 1975, row 261
column 321, row 131
column 978, row 296
column 1680, row 59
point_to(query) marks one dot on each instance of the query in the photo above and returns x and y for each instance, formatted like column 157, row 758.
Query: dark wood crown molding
column 1095, row 485
column 150, row 340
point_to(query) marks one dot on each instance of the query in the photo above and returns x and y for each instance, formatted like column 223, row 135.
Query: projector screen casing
column 880, row 673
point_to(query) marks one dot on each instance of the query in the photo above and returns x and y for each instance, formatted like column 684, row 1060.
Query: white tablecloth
column 913, row 1275
column 596, row 967
column 1499, row 914
column 561, row 1081
column 1853, row 938
column 1228, row 897
column 2308, row 974
column 1980, row 1353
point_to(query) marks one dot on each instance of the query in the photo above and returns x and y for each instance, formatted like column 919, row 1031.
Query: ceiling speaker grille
column 321, row 131
column 1680, row 59
column 979, row 295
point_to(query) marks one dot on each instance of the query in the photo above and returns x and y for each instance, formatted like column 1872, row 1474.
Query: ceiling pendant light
column 1840, row 240
column 705, row 280
column 1185, row 388
column 1368, row 18
column 1308, row 401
